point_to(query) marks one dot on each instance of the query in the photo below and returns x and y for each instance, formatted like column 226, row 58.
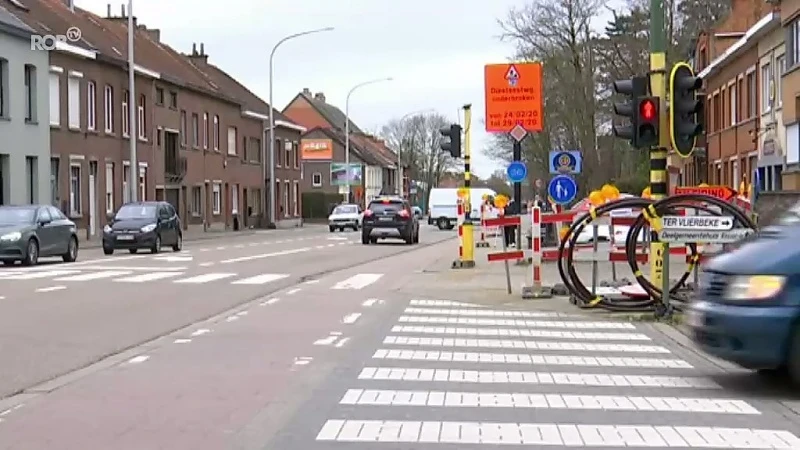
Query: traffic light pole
column 659, row 251
column 468, row 238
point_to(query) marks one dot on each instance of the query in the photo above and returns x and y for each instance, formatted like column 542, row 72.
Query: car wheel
column 72, row 250
column 442, row 223
column 178, row 244
column 133, row 250
column 793, row 357
column 31, row 253
column 156, row 245
column 108, row 250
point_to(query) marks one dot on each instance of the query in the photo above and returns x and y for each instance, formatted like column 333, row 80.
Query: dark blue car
column 748, row 307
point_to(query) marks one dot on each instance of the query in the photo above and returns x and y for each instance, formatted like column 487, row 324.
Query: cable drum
column 651, row 211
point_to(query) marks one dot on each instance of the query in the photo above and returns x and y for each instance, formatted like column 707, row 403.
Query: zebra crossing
column 137, row 275
column 457, row 373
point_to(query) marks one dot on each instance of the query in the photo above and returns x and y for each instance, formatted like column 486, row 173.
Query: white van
column 443, row 207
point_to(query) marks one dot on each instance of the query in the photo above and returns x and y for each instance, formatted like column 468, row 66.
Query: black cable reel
column 652, row 211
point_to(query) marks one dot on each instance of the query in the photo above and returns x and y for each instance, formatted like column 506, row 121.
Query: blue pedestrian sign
column 565, row 162
column 562, row 189
column 517, row 172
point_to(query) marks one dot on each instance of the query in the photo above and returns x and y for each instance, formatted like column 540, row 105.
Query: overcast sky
column 434, row 49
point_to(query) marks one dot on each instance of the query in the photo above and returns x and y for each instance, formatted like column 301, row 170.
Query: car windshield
column 790, row 217
column 136, row 212
column 16, row 216
column 346, row 209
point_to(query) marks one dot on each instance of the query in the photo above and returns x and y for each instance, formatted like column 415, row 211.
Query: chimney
column 319, row 96
column 122, row 8
column 194, row 49
column 202, row 49
column 199, row 58
column 154, row 34
column 307, row 92
column 108, row 13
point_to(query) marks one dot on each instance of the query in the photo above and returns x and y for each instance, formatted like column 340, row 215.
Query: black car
column 143, row 225
column 389, row 217
column 29, row 232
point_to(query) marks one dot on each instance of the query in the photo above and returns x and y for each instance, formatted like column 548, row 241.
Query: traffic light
column 452, row 140
column 632, row 89
column 647, row 122
column 686, row 108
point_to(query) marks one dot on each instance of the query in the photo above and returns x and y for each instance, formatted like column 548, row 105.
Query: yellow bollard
column 468, row 246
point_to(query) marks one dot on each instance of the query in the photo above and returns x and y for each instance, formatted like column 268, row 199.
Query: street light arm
column 296, row 35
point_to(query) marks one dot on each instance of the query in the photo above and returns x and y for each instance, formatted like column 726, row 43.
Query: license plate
column 694, row 319
column 385, row 219
column 125, row 237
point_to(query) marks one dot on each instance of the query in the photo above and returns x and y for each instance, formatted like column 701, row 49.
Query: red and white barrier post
column 536, row 289
column 482, row 242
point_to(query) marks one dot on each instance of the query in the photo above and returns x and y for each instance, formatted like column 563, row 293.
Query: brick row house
column 197, row 129
column 743, row 65
column 323, row 149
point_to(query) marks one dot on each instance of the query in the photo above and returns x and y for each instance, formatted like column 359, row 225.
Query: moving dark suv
column 389, row 217
column 143, row 225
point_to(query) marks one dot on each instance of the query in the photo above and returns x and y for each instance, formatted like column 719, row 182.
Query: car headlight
column 13, row 236
column 148, row 228
column 754, row 287
column 107, row 228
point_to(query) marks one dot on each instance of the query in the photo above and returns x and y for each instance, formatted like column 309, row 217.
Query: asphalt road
column 56, row 317
column 357, row 358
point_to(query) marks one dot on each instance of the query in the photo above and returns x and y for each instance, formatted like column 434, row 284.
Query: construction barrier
column 465, row 240
column 485, row 208
column 536, row 288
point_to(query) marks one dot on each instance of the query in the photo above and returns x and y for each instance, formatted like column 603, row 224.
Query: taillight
column 403, row 213
column 367, row 213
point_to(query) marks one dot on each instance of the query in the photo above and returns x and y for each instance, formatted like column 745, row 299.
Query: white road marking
column 206, row 264
column 327, row 341
column 2, row 297
column 265, row 255
column 95, row 275
column 312, row 282
column 303, row 360
column 319, row 247
column 270, row 301
column 369, row 302
column 522, row 345
column 240, row 246
column 242, row 313
column 516, row 358
column 173, row 258
column 201, row 332
column 351, row 318
column 205, row 278
column 232, row 318
column 262, row 279
column 221, row 248
column 138, row 359
column 517, row 323
column 182, row 341
column 42, row 274
column 253, row 244
column 477, row 312
column 543, row 378
column 554, row 434
column 145, row 277
column 358, row 281
column 521, row 332
column 389, row 397
column 441, row 303
column 293, row 291
column 331, row 245
column 337, row 238
column 205, row 249
column 137, row 268
column 51, row 289
column 342, row 342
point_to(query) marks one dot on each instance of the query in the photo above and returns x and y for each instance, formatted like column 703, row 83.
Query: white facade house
column 772, row 141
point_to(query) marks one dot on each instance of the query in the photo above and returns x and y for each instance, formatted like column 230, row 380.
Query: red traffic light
column 648, row 109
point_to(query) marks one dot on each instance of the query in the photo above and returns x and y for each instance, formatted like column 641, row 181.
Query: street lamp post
column 133, row 183
column 272, row 195
column 400, row 149
column 347, row 130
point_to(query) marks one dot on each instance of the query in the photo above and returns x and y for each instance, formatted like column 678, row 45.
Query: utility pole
column 133, row 182
column 659, row 272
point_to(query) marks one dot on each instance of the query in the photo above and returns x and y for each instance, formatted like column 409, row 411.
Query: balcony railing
column 174, row 168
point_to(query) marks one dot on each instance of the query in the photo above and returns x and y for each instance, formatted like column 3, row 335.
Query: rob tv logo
column 48, row 41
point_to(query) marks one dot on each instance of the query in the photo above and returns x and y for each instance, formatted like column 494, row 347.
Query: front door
column 92, row 198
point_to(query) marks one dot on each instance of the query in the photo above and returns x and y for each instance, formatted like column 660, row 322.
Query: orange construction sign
column 721, row 192
column 513, row 97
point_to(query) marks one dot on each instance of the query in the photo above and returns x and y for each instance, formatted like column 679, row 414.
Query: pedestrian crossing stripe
column 522, row 345
column 482, row 312
column 517, row 323
column 521, row 332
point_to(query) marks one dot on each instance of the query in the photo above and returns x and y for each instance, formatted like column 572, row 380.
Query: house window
column 74, row 102
column 142, row 183
column 286, row 198
column 108, row 102
column 91, row 106
column 216, row 132
column 287, row 149
column 159, row 96
column 141, row 118
column 255, row 154
column 183, row 128
column 793, row 42
column 125, row 114
column 296, row 198
column 781, row 63
column 75, row 189
column 751, row 95
column 197, row 201
column 296, row 150
column 195, row 130
column 216, row 205
column 732, row 102
column 232, row 138
column 205, row 130
column 109, row 188
column 766, row 87
column 55, row 99
column 316, row 179
column 54, row 179
column 277, row 152
column 30, row 92
column 4, row 88
column 173, row 100
column 740, row 100
column 126, row 175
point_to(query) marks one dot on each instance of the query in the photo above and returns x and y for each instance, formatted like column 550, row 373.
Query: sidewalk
column 199, row 235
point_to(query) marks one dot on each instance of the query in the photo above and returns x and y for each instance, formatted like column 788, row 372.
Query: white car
column 345, row 216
